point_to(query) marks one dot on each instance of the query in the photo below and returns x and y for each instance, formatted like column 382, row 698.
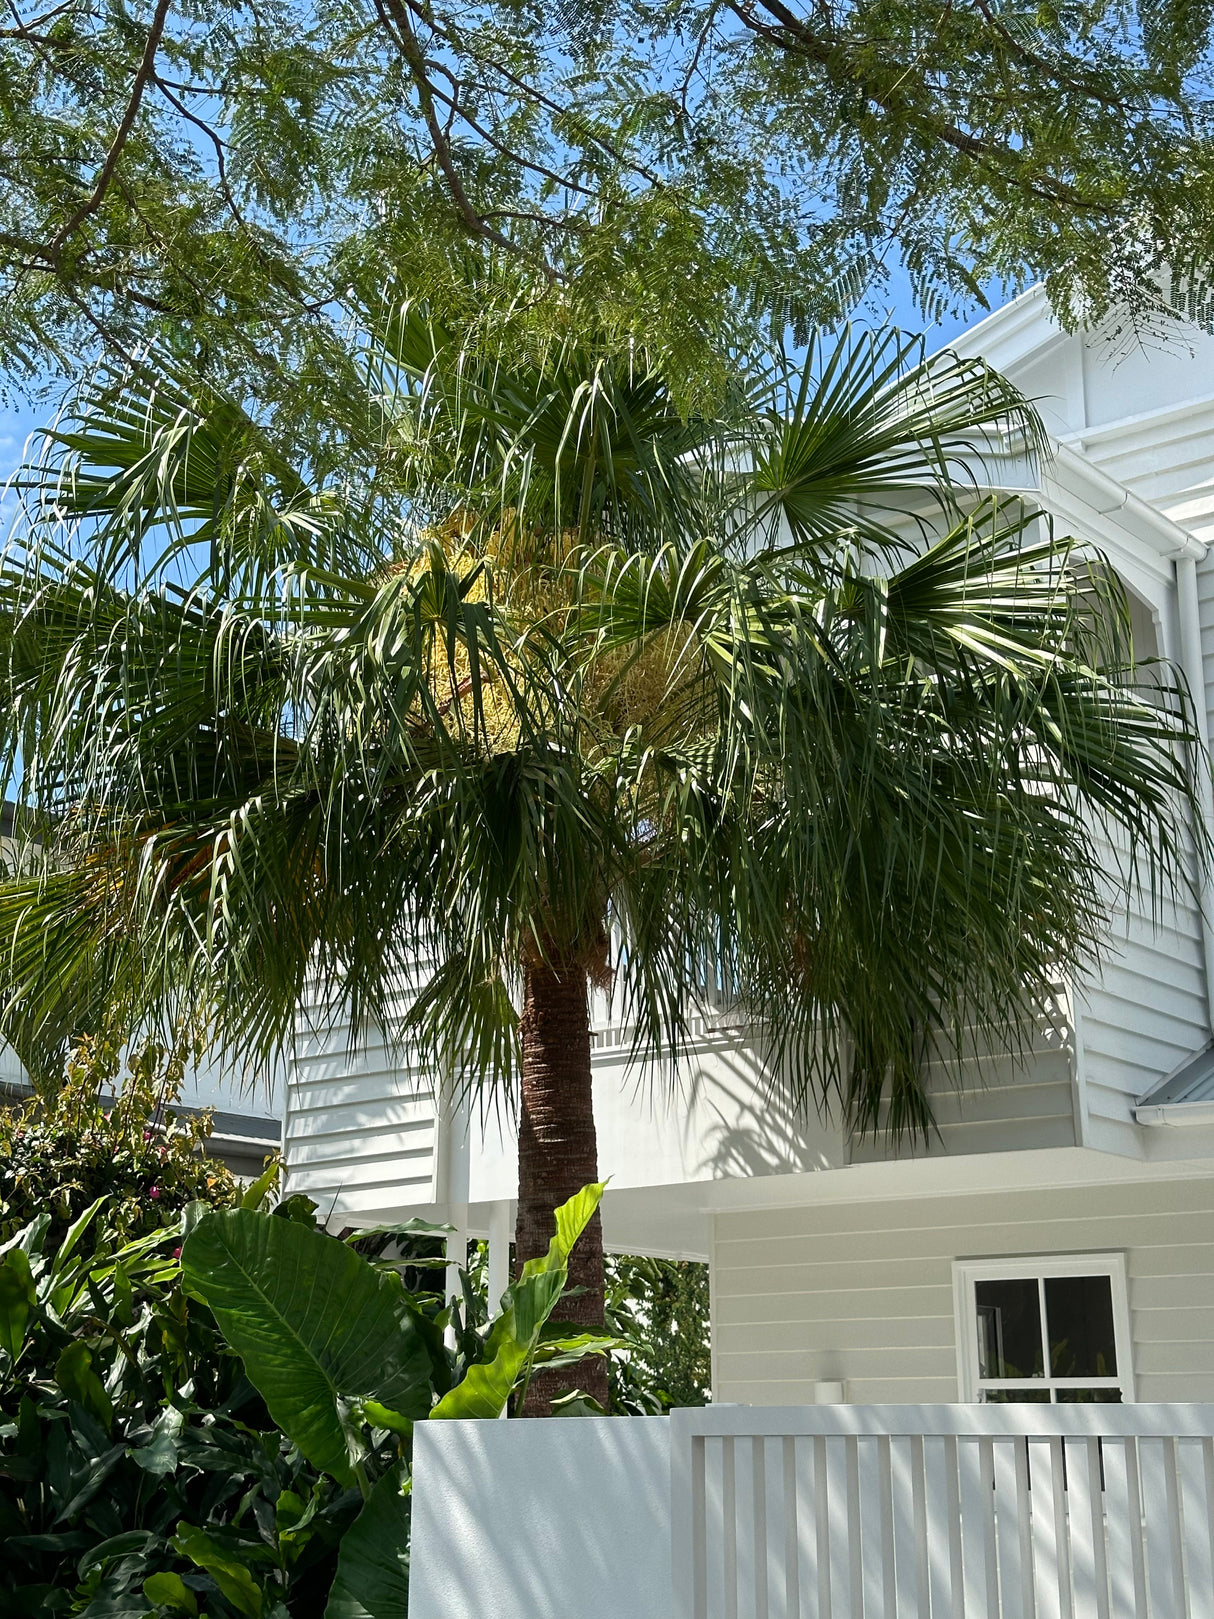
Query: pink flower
column 154, row 1193
column 147, row 1135
column 176, row 1253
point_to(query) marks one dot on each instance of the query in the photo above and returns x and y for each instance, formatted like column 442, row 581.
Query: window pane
column 1016, row 1396
column 1079, row 1313
column 1089, row 1396
column 1009, row 1329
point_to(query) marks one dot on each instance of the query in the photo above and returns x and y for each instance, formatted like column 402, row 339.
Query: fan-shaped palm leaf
column 776, row 700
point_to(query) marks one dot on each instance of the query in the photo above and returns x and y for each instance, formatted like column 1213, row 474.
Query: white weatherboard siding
column 360, row 1133
column 863, row 1292
column 1140, row 1016
column 1166, row 456
column 1143, row 416
column 992, row 1102
column 1205, row 611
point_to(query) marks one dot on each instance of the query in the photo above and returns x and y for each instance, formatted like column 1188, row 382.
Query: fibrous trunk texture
column 557, row 1156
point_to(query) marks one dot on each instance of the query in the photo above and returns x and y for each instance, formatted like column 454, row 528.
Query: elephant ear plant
column 342, row 1355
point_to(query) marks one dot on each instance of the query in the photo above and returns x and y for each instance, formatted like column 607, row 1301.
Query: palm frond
column 780, row 701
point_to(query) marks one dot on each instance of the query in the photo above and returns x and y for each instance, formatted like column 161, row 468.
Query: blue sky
column 17, row 422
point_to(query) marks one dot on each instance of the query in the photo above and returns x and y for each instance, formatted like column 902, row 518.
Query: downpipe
column 1193, row 666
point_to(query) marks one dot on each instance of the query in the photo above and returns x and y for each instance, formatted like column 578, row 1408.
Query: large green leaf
column 512, row 1342
column 17, row 1299
column 316, row 1325
column 75, row 1376
column 224, row 1567
column 170, row 1591
column 372, row 1580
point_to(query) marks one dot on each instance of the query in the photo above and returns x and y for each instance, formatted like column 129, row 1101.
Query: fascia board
column 914, row 1177
column 1070, row 486
column 1014, row 335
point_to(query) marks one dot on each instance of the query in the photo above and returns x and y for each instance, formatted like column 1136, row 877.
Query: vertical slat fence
column 944, row 1512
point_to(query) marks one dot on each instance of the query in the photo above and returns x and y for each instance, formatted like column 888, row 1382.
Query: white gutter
column 1174, row 1115
column 1193, row 666
column 1008, row 468
column 1170, row 538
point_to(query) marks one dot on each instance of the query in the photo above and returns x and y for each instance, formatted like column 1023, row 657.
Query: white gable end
column 1141, row 412
column 1135, row 428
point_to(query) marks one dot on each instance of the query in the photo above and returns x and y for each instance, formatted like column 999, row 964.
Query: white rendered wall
column 541, row 1520
column 717, row 1116
column 364, row 1139
column 862, row 1292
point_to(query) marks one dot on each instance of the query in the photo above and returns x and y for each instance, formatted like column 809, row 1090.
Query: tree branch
column 792, row 34
column 499, row 146
column 396, row 18
column 91, row 203
column 220, row 160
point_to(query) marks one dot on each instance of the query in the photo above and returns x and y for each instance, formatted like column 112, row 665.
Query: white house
column 1056, row 1242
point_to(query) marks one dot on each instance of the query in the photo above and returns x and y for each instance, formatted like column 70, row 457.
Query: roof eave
column 1012, row 335
column 1067, row 479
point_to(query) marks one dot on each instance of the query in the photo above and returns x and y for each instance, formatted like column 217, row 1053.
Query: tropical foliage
column 139, row 1470
column 223, row 179
column 657, row 1309
column 344, row 1357
column 552, row 686
column 107, row 1135
column 660, row 1308
column 142, row 1467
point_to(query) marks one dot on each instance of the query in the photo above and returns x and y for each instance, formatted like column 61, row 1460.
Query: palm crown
column 548, row 686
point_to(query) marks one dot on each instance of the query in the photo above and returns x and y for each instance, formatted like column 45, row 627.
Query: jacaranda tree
column 551, row 687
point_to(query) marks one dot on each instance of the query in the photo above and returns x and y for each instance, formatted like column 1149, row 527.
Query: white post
column 499, row 1253
column 1193, row 664
column 499, row 1256
column 457, row 1258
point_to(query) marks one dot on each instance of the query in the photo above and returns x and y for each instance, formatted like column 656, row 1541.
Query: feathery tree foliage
column 222, row 178
column 555, row 687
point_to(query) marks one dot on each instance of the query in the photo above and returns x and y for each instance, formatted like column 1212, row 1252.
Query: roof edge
column 1010, row 335
column 1170, row 1092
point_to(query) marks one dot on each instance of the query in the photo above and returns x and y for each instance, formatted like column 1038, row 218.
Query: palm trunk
column 557, row 1156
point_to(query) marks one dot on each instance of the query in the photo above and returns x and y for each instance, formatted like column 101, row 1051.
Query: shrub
column 139, row 1470
column 660, row 1306
column 108, row 1132
column 142, row 1473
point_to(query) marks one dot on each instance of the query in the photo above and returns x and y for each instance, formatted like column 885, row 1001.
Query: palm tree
column 547, row 686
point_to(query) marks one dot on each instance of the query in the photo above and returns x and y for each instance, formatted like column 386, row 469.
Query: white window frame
column 966, row 1272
